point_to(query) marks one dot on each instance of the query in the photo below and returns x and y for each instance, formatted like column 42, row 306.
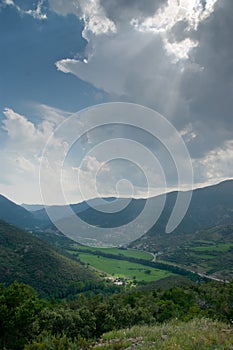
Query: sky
column 89, row 58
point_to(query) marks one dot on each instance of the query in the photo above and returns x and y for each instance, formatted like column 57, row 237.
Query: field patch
column 122, row 268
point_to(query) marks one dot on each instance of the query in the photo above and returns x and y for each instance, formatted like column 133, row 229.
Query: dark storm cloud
column 120, row 10
column 194, row 92
column 209, row 91
column 179, row 31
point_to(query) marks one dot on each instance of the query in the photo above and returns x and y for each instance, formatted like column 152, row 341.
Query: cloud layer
column 174, row 56
column 138, row 61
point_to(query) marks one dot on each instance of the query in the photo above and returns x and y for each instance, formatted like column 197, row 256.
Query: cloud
column 217, row 164
column 103, row 164
column 9, row 2
column 123, row 12
column 208, row 92
column 90, row 11
column 23, row 135
column 144, row 60
column 84, row 174
column 174, row 57
column 37, row 12
column 22, row 151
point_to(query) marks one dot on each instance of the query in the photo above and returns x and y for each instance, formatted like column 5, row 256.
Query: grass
column 199, row 334
column 123, row 268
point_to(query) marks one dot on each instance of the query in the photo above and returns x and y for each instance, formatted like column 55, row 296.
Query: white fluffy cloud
column 22, row 152
column 25, row 152
column 217, row 164
column 37, row 12
column 90, row 11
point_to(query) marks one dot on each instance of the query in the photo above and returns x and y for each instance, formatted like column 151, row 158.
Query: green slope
column 207, row 251
column 27, row 259
column 199, row 334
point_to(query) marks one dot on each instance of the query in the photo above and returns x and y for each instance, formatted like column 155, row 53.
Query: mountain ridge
column 210, row 206
column 15, row 214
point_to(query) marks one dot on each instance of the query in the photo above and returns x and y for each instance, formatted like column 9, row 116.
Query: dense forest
column 30, row 322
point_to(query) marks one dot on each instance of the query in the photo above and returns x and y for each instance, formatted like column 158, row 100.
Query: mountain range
column 210, row 206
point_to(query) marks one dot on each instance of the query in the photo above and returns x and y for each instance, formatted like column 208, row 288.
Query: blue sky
column 59, row 57
column 29, row 49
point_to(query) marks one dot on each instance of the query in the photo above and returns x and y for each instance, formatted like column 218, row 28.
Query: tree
column 19, row 309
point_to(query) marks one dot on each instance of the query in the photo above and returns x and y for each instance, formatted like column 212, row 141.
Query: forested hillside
column 26, row 258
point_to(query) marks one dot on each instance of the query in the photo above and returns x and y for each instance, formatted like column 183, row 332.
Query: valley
column 76, row 296
column 111, row 262
column 202, row 243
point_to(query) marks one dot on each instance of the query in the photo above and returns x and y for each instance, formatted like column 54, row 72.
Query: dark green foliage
column 19, row 310
column 25, row 319
column 27, row 259
column 73, row 323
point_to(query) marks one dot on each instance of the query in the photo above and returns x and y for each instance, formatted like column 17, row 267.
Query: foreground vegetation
column 196, row 334
column 28, row 322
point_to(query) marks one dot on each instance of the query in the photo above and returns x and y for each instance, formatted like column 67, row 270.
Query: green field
column 121, row 268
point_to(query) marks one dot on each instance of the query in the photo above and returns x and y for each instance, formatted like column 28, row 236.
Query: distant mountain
column 115, row 230
column 59, row 212
column 32, row 207
column 15, row 214
column 210, row 206
column 27, row 259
